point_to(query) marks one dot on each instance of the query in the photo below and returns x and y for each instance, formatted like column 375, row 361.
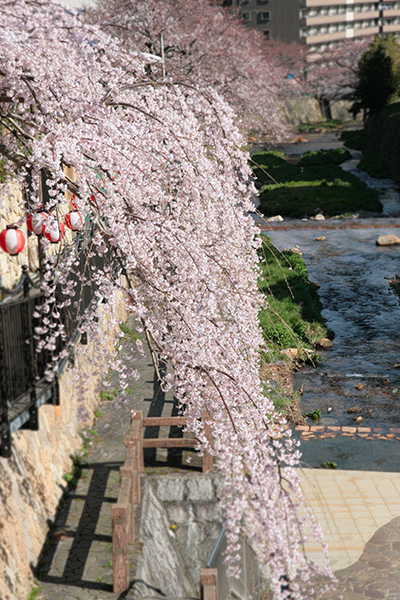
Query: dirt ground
column 280, row 375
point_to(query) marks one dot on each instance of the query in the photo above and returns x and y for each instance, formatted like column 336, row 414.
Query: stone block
column 200, row 489
column 177, row 513
column 169, row 489
column 208, row 512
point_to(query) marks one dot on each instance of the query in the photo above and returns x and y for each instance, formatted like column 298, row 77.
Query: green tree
column 377, row 76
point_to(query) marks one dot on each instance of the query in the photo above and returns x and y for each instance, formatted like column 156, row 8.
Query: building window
column 246, row 16
column 262, row 2
column 267, row 34
column 265, row 16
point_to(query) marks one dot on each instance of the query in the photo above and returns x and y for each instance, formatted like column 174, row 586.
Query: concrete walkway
column 358, row 510
column 350, row 506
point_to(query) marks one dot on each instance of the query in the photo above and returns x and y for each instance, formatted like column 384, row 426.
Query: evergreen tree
column 378, row 76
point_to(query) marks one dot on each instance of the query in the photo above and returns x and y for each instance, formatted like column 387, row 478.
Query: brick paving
column 308, row 432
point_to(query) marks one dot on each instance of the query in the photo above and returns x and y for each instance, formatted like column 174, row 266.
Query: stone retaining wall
column 179, row 526
column 302, row 110
column 31, row 483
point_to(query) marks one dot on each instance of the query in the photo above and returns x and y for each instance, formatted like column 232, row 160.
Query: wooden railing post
column 128, row 470
column 137, row 434
column 121, row 517
column 209, row 584
column 208, row 461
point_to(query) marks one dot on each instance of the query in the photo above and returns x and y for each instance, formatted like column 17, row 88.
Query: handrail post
column 209, row 584
column 120, row 515
column 128, row 470
column 208, row 461
column 138, row 435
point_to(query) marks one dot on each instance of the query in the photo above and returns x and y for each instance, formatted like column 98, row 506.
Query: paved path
column 359, row 510
column 350, row 506
column 76, row 561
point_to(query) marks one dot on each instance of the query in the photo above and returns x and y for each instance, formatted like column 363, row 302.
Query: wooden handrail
column 175, row 442
column 122, row 530
column 169, row 442
column 164, row 421
column 209, row 584
column 123, row 512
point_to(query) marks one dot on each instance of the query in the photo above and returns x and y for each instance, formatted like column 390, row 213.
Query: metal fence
column 23, row 386
column 248, row 586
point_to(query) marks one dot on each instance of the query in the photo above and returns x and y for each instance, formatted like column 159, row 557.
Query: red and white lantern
column 55, row 232
column 12, row 240
column 73, row 220
column 36, row 222
column 73, row 202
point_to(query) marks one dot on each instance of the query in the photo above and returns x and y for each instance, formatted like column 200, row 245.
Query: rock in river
column 276, row 219
column 294, row 250
column 387, row 240
column 291, row 353
column 324, row 343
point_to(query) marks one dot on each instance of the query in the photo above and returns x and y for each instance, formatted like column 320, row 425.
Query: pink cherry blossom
column 166, row 184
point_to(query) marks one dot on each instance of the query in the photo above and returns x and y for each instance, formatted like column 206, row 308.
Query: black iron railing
column 23, row 384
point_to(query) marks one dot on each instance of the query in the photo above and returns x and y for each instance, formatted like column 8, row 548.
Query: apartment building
column 320, row 23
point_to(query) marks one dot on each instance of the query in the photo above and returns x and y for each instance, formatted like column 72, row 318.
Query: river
column 361, row 372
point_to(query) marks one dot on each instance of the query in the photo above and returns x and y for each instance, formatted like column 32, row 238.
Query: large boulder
column 387, row 240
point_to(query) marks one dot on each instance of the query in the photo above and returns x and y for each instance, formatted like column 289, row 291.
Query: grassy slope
column 293, row 318
column 372, row 162
column 316, row 183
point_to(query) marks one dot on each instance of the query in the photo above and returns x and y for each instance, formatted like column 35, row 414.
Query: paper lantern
column 36, row 222
column 73, row 220
column 55, row 232
column 12, row 240
column 73, row 202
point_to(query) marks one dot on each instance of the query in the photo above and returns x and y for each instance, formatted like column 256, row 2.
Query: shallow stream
column 360, row 370
column 362, row 310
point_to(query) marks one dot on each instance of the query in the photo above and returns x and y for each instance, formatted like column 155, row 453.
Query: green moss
column 34, row 592
column 329, row 124
column 129, row 334
column 317, row 183
column 325, row 157
column 111, row 394
column 315, row 415
column 270, row 158
column 372, row 162
column 355, row 139
column 375, row 165
column 302, row 201
column 3, row 171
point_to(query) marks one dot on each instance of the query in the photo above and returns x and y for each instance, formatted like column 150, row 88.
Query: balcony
column 329, row 3
column 342, row 18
